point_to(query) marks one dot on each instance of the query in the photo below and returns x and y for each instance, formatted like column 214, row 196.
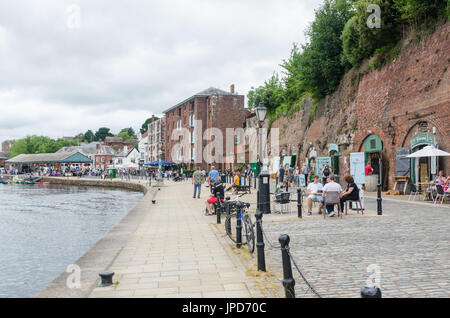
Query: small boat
column 28, row 182
column 42, row 183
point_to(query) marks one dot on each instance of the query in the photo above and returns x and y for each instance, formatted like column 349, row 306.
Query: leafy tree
column 144, row 127
column 102, row 133
column 38, row 144
column 89, row 136
column 271, row 94
column 422, row 12
column 320, row 62
column 128, row 132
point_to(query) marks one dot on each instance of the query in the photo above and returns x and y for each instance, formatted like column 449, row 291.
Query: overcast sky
column 127, row 60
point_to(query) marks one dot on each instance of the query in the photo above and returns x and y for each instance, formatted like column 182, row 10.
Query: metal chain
column 265, row 236
column 301, row 274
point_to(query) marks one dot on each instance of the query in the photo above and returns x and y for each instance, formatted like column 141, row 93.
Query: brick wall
column 413, row 89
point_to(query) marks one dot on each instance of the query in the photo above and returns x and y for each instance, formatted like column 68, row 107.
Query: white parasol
column 429, row 151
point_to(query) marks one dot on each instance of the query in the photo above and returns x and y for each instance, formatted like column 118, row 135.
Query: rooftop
column 62, row 157
column 205, row 93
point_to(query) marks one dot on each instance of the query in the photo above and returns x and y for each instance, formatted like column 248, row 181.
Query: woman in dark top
column 351, row 191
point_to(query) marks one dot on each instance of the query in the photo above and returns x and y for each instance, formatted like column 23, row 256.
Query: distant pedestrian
column 326, row 172
column 281, row 175
column 213, row 176
column 197, row 181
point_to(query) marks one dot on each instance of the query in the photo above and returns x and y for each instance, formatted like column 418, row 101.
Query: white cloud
column 132, row 59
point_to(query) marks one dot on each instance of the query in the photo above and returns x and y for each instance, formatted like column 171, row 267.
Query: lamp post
column 159, row 161
column 262, row 197
column 263, row 204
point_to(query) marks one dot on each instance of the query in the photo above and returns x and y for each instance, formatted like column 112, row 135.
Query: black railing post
column 218, row 210
column 288, row 279
column 371, row 292
column 260, row 242
column 299, row 203
column 379, row 206
column 239, row 229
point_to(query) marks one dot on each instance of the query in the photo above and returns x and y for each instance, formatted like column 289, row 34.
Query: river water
column 43, row 229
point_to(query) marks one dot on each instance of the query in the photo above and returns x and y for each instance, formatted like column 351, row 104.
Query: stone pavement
column 409, row 244
column 176, row 252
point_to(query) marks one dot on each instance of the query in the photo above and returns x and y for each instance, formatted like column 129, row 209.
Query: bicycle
column 240, row 210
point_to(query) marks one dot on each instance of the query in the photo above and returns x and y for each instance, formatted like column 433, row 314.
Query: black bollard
column 287, row 186
column 254, row 182
column 239, row 230
column 371, row 292
column 218, row 211
column 379, row 207
column 299, row 203
column 288, row 279
column 107, row 278
column 264, row 192
column 260, row 242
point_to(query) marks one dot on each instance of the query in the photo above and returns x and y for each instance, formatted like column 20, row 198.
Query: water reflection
column 43, row 229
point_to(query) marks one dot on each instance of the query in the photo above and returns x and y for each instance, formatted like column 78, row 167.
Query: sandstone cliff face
column 413, row 88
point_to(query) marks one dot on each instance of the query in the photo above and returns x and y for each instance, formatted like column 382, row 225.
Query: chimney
column 232, row 89
column 125, row 149
column 98, row 146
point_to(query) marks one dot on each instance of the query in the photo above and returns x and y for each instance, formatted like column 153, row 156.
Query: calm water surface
column 43, row 229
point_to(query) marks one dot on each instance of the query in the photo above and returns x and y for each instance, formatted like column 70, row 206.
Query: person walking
column 197, row 181
column 326, row 172
column 213, row 176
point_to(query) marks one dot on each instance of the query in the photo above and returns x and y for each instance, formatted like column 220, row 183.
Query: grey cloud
column 139, row 57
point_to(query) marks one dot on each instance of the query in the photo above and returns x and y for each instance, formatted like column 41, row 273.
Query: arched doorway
column 373, row 150
column 420, row 136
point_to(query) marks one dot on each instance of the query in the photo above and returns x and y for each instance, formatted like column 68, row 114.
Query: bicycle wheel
column 249, row 233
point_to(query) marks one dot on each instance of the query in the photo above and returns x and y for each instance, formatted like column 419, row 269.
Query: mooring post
column 371, row 292
column 107, row 278
column 288, row 279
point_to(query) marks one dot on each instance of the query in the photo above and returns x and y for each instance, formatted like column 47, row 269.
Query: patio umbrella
column 429, row 151
column 156, row 163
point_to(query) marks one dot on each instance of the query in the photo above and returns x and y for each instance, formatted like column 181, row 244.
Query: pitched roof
column 62, row 157
column 205, row 93
column 4, row 155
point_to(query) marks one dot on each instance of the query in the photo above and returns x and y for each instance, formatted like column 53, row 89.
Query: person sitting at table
column 351, row 191
column 440, row 179
column 314, row 192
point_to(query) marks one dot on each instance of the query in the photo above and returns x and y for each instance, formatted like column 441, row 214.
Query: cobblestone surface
column 409, row 243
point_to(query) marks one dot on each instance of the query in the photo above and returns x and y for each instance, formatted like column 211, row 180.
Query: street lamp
column 263, row 204
column 261, row 113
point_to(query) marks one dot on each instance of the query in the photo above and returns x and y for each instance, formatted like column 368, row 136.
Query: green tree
column 102, row 133
column 422, row 12
column 38, row 144
column 128, row 133
column 89, row 136
column 320, row 61
column 271, row 94
column 144, row 127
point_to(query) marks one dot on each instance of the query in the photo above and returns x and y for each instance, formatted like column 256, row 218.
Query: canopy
column 156, row 163
column 429, row 151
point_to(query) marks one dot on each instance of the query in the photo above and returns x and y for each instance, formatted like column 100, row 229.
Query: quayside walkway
column 175, row 252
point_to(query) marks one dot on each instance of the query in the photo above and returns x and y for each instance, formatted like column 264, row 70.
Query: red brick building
column 214, row 108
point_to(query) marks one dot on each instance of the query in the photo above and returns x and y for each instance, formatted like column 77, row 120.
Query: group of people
column 317, row 192
column 216, row 184
column 290, row 175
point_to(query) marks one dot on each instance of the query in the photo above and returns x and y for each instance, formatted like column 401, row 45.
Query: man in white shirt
column 331, row 186
column 314, row 192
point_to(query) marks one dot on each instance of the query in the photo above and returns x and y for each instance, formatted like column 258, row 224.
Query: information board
column 357, row 163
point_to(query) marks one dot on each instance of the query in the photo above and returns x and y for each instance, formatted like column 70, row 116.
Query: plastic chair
column 332, row 198
column 283, row 200
column 440, row 194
